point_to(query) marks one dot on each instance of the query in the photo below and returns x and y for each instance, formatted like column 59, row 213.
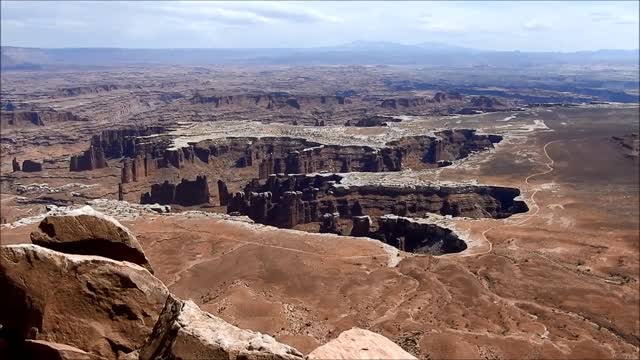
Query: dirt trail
column 532, row 200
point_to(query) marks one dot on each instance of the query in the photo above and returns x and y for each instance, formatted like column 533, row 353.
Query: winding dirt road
column 532, row 200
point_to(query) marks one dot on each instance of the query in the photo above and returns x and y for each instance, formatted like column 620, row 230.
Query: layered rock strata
column 269, row 101
column 186, row 193
column 91, row 159
column 288, row 200
column 37, row 117
column 272, row 155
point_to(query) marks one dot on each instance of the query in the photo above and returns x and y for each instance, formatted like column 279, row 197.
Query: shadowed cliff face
column 186, row 193
column 20, row 118
column 267, row 200
column 288, row 201
column 270, row 101
column 274, row 155
column 291, row 199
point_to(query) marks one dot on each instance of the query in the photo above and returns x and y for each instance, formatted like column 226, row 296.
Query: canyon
column 288, row 212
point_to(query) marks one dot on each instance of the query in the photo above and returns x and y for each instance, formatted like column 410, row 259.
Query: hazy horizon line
column 418, row 45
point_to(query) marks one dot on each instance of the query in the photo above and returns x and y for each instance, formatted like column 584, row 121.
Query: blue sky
column 502, row 25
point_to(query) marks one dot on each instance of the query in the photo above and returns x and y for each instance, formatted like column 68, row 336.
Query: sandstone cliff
column 36, row 117
column 31, row 166
column 91, row 159
column 85, row 231
column 360, row 344
column 186, row 193
column 269, row 101
column 95, row 304
column 303, row 198
column 183, row 331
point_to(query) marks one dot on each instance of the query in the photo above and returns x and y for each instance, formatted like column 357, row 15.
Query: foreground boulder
column 186, row 332
column 39, row 349
column 85, row 231
column 359, row 344
column 101, row 306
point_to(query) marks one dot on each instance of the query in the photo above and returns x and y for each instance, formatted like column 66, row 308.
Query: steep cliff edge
column 186, row 193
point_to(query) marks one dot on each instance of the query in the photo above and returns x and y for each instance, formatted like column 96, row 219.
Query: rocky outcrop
column 22, row 117
column 101, row 306
column 329, row 223
column 128, row 142
column 417, row 236
column 31, row 166
column 376, row 121
column 447, row 145
column 84, row 90
column 447, row 96
column 15, row 165
column 117, row 143
column 405, row 102
column 361, row 226
column 299, row 199
column 269, row 101
column 485, row 102
column 183, row 331
column 186, row 193
column 273, row 155
column 376, row 211
column 360, row 344
column 37, row 118
column 45, row 350
column 138, row 168
column 91, row 159
column 223, row 193
column 85, row 231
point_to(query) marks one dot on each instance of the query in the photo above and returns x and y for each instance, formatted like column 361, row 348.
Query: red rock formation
column 446, row 96
column 15, row 165
column 91, row 159
column 273, row 155
column 31, row 166
column 376, row 121
column 186, row 193
column 485, row 102
column 138, row 168
column 46, row 350
column 117, row 143
column 361, row 226
column 15, row 118
column 38, row 117
column 329, row 223
column 101, row 306
column 83, row 90
column 286, row 201
column 223, row 193
column 183, row 331
column 405, row 102
column 85, row 231
column 418, row 237
column 360, row 344
column 270, row 101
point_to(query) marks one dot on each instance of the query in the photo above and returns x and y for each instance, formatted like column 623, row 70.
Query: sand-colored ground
column 560, row 281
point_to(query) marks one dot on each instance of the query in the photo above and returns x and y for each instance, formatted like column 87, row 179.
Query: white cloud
column 537, row 25
column 494, row 25
column 240, row 13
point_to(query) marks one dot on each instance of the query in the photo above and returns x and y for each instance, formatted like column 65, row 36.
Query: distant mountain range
column 355, row 53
